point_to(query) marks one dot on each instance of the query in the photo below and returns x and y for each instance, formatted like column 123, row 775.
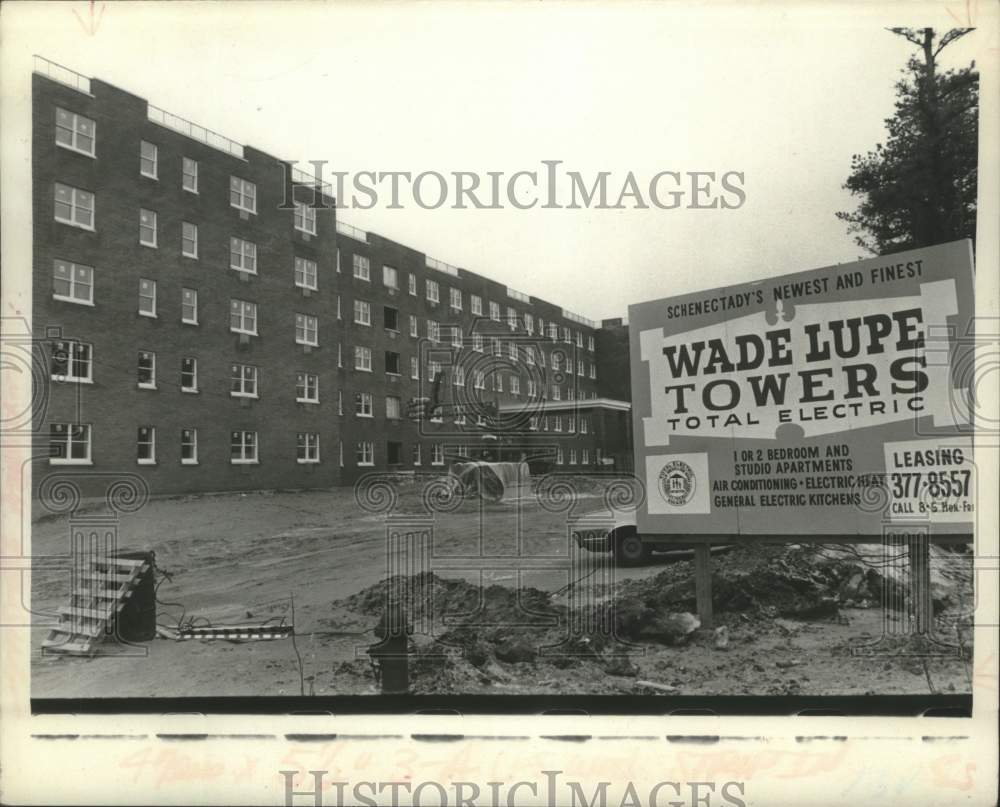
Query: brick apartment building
column 207, row 323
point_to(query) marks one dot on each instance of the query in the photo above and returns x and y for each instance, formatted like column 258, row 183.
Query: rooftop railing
column 351, row 231
column 578, row 319
column 301, row 177
column 193, row 130
column 518, row 295
column 63, row 75
column 441, row 266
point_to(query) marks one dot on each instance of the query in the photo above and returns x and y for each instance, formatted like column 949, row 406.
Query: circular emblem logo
column 677, row 483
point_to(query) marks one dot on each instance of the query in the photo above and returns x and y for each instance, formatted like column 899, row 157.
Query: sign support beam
column 703, row 584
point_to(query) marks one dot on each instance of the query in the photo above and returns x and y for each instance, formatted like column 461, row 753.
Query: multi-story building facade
column 208, row 323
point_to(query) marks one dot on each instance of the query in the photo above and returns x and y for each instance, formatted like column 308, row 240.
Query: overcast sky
column 784, row 95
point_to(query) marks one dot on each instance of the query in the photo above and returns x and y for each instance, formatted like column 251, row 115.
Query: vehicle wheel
column 630, row 549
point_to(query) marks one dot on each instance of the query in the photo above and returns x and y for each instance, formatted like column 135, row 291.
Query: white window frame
column 360, row 352
column 77, row 197
column 245, row 311
column 242, row 194
column 306, row 274
column 456, row 336
column 513, row 318
column 306, row 388
column 151, row 442
column 246, row 456
column 515, row 385
column 458, row 376
column 480, row 382
column 151, row 384
column 194, row 373
column 193, row 304
column 495, row 311
column 412, row 284
column 455, row 299
column 477, row 342
column 73, row 281
column 72, row 348
column 585, row 456
column 414, row 327
column 432, row 291
column 144, row 159
column 251, row 379
column 69, row 459
column 151, row 297
column 433, row 331
column 193, row 443
column 304, row 218
column 143, row 227
column 242, row 255
column 186, row 163
column 556, row 392
column 572, row 456
column 477, row 305
column 590, row 343
column 437, row 454
column 362, row 307
column 414, row 368
column 390, row 272
column 187, row 228
column 398, row 406
column 75, row 134
column 362, row 267
column 415, row 453
column 365, row 449
column 307, row 443
column 306, row 330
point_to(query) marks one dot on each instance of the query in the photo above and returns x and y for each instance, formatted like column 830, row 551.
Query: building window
column 242, row 194
column 413, row 284
column 480, row 380
column 189, row 239
column 189, row 374
column 432, row 291
column 390, row 318
column 456, row 336
column 362, row 312
column 572, row 456
column 145, row 444
column 415, row 451
column 243, row 381
column 553, row 331
column 495, row 312
column 306, row 330
column 529, row 322
column 391, row 362
column 515, row 384
column 305, row 274
column 189, row 175
column 477, row 342
column 242, row 255
column 392, row 407
column 477, row 304
column 304, row 218
column 146, row 370
column 567, row 335
column 532, row 388
column 364, row 452
column 579, row 339
column 533, row 423
column 585, row 456
column 529, row 354
column 584, row 425
column 306, row 388
column 148, row 157
column 243, row 317
column 458, row 376
column 558, row 423
column 512, row 351
column 496, row 345
column 437, row 454
column 306, row 447
column 393, row 453
column 414, row 328
column 455, row 300
column 75, row 132
column 559, row 456
column 433, row 368
column 243, row 448
column 579, row 368
column 556, row 359
column 147, row 227
column 362, row 268
column 593, row 371
column 569, row 366
column 590, row 343
column 72, row 282
column 74, row 206
column 69, row 444
column 189, row 306
column 414, row 368
column 433, row 330
column 556, row 392
column 72, row 361
column 390, row 277
column 513, row 318
column 570, row 423
column 147, row 297
column 189, row 446
column 363, row 358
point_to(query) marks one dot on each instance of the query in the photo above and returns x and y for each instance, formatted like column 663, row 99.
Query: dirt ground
column 505, row 618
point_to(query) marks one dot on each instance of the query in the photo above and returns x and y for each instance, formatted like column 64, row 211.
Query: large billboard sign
column 830, row 402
